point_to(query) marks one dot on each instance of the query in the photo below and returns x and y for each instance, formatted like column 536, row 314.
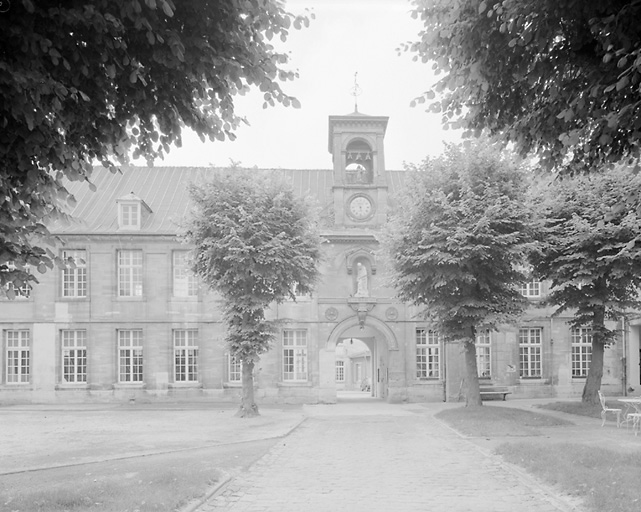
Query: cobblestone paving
column 399, row 462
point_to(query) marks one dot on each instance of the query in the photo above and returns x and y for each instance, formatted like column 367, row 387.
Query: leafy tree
column 456, row 241
column 589, row 241
column 254, row 243
column 88, row 82
column 556, row 77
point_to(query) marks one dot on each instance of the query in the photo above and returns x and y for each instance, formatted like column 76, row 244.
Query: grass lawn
column 492, row 421
column 607, row 481
column 581, row 409
column 160, row 483
column 141, row 484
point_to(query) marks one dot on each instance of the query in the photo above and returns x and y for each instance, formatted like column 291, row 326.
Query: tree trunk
column 473, row 392
column 595, row 373
column 248, row 407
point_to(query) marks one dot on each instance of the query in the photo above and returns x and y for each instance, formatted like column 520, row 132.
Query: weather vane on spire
column 356, row 91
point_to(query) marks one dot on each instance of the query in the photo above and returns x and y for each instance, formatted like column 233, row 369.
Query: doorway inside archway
column 354, row 369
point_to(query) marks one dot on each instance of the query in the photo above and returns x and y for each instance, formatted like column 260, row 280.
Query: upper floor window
column 185, row 282
column 17, row 356
column 581, row 351
column 483, row 353
column 530, row 352
column 427, row 354
column 295, row 355
column 19, row 290
column 531, row 289
column 74, row 275
column 130, row 273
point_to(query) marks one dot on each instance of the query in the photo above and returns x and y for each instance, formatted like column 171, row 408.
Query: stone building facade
column 129, row 321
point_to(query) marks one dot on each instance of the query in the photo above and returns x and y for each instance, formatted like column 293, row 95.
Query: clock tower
column 360, row 181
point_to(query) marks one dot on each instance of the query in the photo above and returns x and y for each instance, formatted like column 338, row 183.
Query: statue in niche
column 361, row 281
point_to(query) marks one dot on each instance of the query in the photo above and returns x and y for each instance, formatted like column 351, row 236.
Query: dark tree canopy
column 589, row 250
column 456, row 241
column 90, row 82
column 559, row 78
column 255, row 245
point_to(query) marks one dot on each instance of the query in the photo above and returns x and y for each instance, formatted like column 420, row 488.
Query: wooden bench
column 494, row 392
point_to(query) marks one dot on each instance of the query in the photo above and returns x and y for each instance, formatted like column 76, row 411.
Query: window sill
column 189, row 298
column 185, row 385
column 73, row 299
column 295, row 384
column 428, row 380
column 72, row 385
column 129, row 299
column 232, row 385
column 130, row 385
column 19, row 386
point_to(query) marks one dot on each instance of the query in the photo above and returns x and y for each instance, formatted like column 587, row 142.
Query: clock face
column 360, row 207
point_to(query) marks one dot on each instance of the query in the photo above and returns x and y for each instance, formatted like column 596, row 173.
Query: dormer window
column 132, row 212
column 130, row 215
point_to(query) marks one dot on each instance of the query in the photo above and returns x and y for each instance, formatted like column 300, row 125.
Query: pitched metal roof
column 164, row 191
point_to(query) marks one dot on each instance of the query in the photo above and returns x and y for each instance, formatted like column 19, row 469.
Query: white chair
column 605, row 409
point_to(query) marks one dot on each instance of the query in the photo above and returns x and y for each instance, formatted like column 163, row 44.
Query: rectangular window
column 581, row 351
column 186, row 355
column 130, row 215
column 130, row 355
column 74, row 275
column 234, row 369
column 185, row 283
column 483, row 353
column 18, row 356
column 530, row 352
column 295, row 355
column 23, row 291
column 130, row 273
column 427, row 354
column 531, row 289
column 340, row 371
column 74, row 355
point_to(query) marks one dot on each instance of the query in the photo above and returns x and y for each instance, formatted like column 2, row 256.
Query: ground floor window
column 234, row 369
column 427, row 354
column 18, row 356
column 130, row 355
column 581, row 338
column 483, row 353
column 186, row 355
column 530, row 352
column 294, row 355
column 340, row 370
column 74, row 356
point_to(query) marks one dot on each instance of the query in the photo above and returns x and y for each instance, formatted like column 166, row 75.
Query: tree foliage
column 255, row 244
column 90, row 82
column 590, row 238
column 456, row 240
column 557, row 77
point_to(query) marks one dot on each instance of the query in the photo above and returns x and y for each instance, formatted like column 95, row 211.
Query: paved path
column 352, row 458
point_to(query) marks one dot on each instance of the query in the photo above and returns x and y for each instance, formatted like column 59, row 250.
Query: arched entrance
column 373, row 334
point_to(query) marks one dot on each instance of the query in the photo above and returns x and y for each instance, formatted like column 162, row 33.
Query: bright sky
column 347, row 36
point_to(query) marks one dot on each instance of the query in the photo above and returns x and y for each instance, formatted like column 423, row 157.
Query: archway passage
column 354, row 370
column 373, row 341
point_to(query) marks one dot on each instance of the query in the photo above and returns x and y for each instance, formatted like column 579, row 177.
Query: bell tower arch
column 356, row 142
